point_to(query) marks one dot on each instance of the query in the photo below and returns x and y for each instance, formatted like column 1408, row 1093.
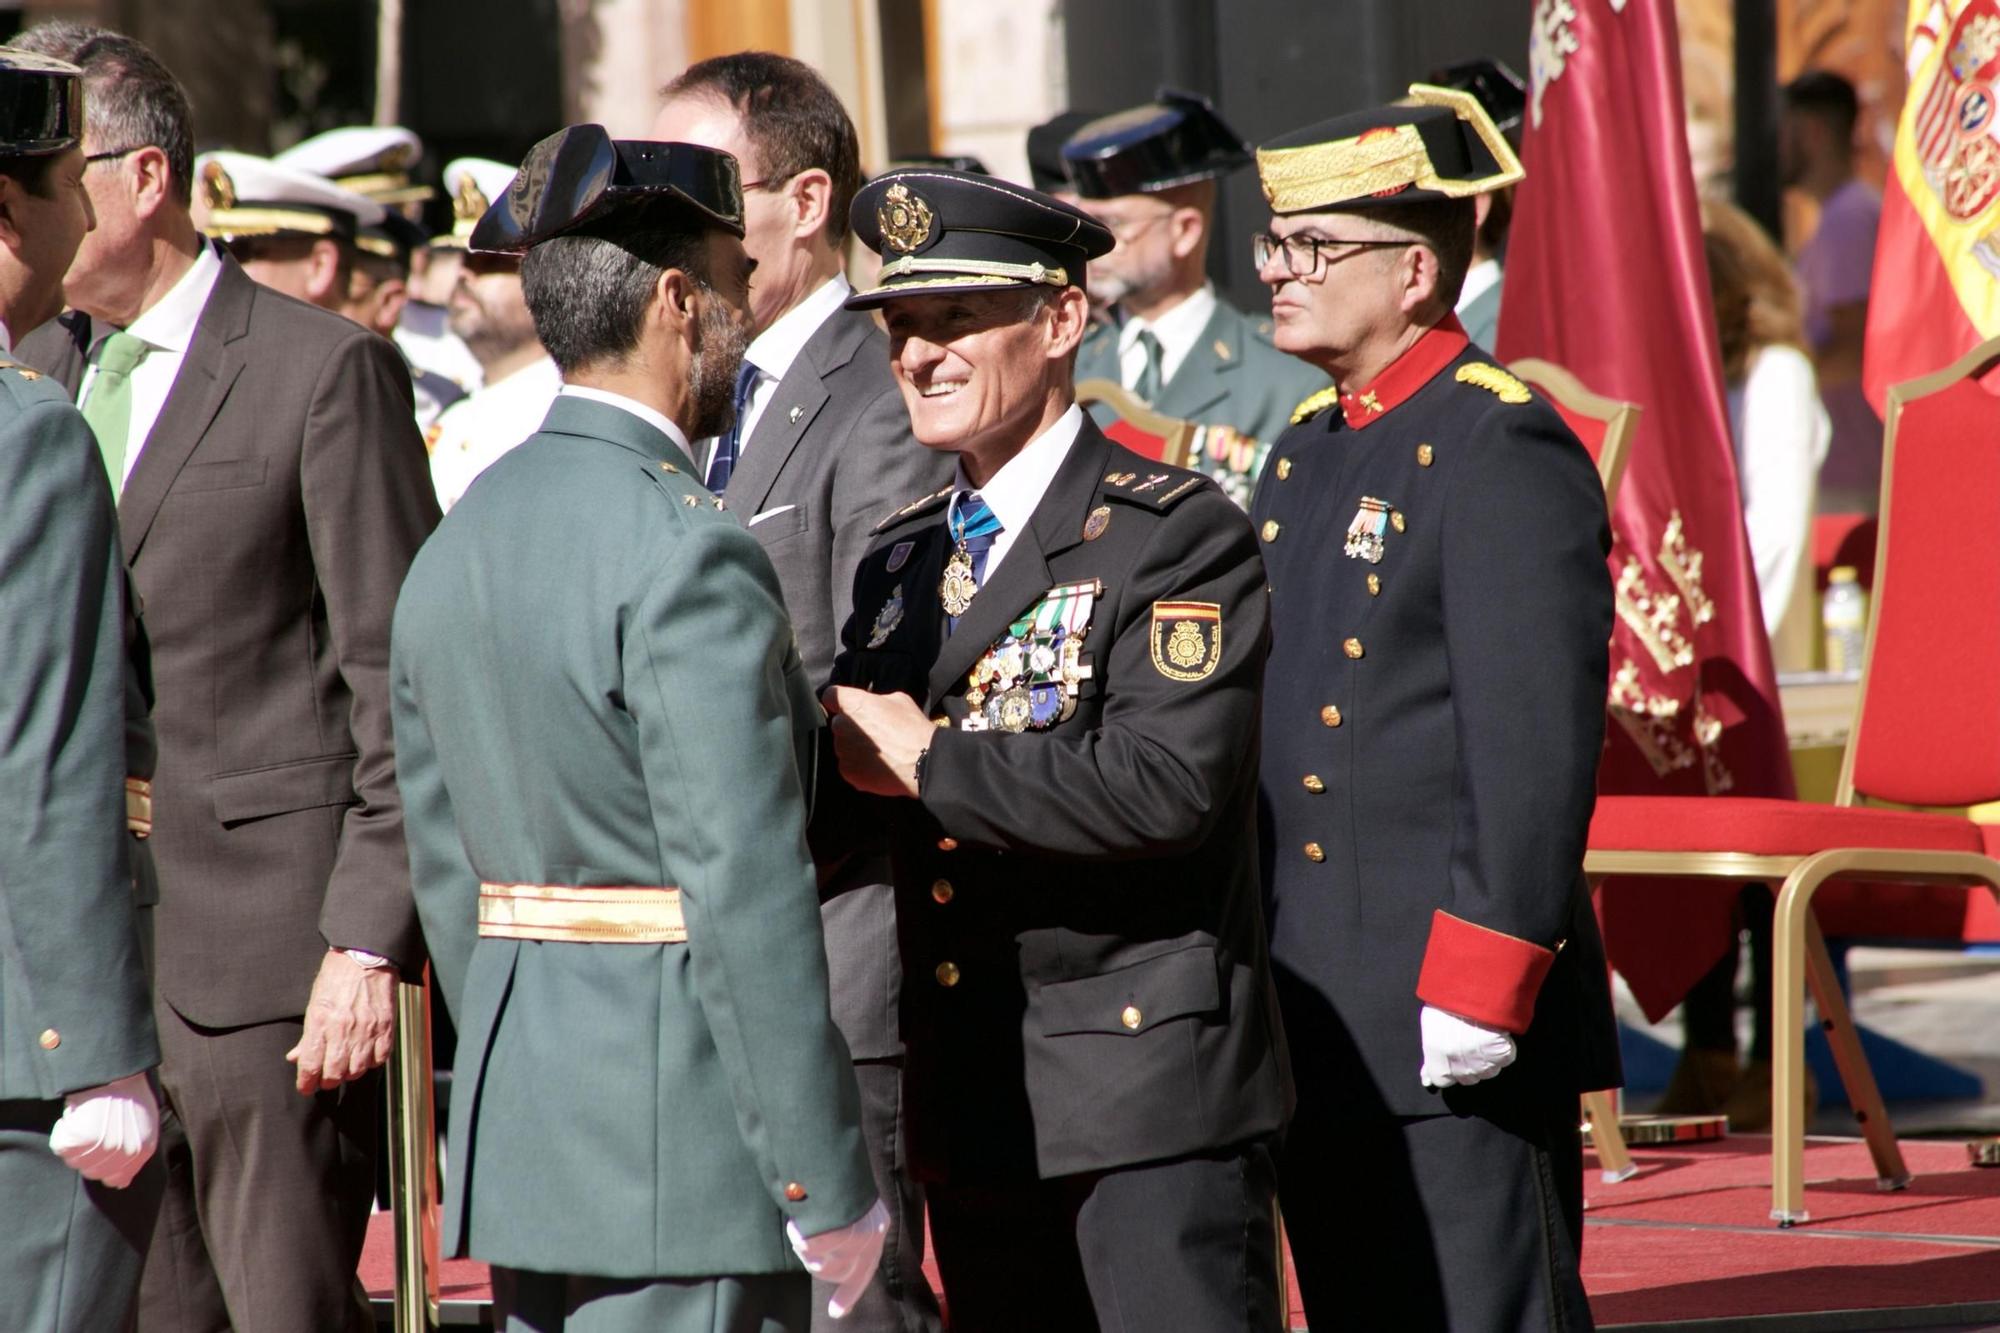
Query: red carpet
column 1689, row 1237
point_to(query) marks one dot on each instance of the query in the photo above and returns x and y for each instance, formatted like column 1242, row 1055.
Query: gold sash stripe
column 139, row 807
column 611, row 914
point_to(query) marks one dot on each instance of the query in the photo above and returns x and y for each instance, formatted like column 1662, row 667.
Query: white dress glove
column 1458, row 1050
column 845, row 1256
column 108, row 1133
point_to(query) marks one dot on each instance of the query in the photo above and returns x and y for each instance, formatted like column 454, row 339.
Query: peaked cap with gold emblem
column 473, row 184
column 1437, row 144
column 952, row 231
column 246, row 195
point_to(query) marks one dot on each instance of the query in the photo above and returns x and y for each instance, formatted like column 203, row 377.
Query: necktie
column 1148, row 385
column 108, row 409
column 974, row 528
column 730, row 447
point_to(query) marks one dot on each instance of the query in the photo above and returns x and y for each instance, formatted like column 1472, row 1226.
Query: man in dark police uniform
column 1051, row 680
column 604, row 722
column 1435, row 539
column 79, row 1183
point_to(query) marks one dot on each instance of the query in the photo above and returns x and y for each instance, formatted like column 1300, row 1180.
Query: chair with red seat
column 1138, row 427
column 1605, row 425
column 1927, row 733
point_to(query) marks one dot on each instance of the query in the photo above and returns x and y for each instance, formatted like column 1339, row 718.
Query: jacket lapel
column 1203, row 377
column 1023, row 576
column 799, row 399
column 208, row 370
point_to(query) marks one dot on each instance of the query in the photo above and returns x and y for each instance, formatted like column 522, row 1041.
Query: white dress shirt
column 656, row 420
column 475, row 431
column 1178, row 330
column 167, row 328
column 1013, row 492
column 1479, row 279
column 773, row 351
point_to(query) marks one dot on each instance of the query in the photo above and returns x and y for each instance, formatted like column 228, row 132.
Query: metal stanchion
column 413, row 1190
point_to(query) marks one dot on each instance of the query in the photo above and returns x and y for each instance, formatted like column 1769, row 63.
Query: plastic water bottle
column 1843, row 616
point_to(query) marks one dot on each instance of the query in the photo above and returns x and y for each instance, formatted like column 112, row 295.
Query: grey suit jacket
column 268, row 524
column 831, row 455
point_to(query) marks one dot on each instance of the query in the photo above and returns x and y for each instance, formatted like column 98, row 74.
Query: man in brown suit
column 273, row 490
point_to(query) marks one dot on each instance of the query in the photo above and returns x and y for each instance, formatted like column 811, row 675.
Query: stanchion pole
column 413, row 1161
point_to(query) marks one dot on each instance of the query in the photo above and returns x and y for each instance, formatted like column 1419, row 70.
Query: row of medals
column 1029, row 678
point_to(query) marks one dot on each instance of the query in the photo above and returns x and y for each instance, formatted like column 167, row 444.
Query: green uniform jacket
column 74, row 1006
column 594, row 683
column 1233, row 377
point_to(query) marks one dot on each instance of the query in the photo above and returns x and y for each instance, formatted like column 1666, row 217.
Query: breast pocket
column 778, row 524
column 221, row 475
column 1134, row 1000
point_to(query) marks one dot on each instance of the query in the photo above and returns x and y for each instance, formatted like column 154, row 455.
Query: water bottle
column 1844, row 618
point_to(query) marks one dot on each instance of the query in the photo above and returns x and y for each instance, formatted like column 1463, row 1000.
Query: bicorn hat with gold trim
column 952, row 231
column 246, row 195
column 1437, row 144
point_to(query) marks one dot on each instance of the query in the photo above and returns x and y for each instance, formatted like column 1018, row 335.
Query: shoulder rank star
column 886, row 620
column 1364, row 534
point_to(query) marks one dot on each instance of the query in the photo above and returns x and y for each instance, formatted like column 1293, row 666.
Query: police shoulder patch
column 916, row 506
column 1186, row 639
column 1495, row 381
column 1314, row 404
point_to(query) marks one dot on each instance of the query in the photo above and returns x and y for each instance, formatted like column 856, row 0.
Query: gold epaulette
column 24, row 372
column 914, row 506
column 1316, row 404
column 1495, row 381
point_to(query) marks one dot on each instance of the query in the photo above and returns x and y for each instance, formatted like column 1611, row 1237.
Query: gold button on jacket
column 942, row 890
column 1131, row 1017
column 1330, row 715
column 50, row 1039
column 1352, row 648
column 795, row 1191
column 1315, row 852
column 1270, row 529
column 1313, row 783
column 947, row 974
column 1425, row 455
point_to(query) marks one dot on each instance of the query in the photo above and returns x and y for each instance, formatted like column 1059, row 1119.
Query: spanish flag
column 1936, row 289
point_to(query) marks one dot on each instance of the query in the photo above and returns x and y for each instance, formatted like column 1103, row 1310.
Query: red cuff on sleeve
column 1482, row 974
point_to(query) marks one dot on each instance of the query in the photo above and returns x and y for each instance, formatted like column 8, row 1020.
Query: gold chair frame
column 1801, row 959
column 1178, row 434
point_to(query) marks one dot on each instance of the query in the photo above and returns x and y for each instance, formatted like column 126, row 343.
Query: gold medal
column 956, row 588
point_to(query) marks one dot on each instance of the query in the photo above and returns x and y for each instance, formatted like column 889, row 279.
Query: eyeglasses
column 772, row 183
column 1302, row 253
column 113, row 153
column 1124, row 230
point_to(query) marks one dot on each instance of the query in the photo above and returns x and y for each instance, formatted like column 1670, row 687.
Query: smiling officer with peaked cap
column 1048, row 696
column 604, row 725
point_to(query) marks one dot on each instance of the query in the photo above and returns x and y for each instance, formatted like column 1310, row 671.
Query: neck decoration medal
column 1364, row 534
column 1029, row 680
column 959, row 584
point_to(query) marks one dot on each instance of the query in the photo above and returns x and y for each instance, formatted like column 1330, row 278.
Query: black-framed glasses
column 112, row 154
column 772, row 183
column 1302, row 253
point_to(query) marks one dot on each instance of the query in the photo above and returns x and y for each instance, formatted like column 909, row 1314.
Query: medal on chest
column 956, row 588
column 1030, row 678
column 886, row 620
column 1365, row 533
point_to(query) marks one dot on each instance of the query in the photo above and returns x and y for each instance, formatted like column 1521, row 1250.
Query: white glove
column 1458, row 1050
column 845, row 1256
column 108, row 1133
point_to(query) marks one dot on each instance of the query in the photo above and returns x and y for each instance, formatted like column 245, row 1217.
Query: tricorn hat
column 1045, row 145
column 1173, row 140
column 579, row 179
column 1437, row 144
column 952, row 231
column 41, row 104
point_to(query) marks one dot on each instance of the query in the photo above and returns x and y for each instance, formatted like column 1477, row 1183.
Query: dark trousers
column 1461, row 1222
column 1185, row 1244
column 900, row 1299
column 525, row 1302
column 268, row 1192
column 70, row 1248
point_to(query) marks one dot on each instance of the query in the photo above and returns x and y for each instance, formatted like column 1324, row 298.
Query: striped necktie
column 730, row 447
column 1148, row 386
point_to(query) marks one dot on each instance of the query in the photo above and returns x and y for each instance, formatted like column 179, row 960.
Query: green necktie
column 108, row 408
column 1148, row 385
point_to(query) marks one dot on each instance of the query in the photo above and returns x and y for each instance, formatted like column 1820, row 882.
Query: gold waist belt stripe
column 609, row 914
column 139, row 807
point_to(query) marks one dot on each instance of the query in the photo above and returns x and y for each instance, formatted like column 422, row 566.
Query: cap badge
column 469, row 204
column 217, row 190
column 905, row 219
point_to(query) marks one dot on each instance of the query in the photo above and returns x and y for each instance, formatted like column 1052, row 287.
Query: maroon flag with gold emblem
column 1605, row 276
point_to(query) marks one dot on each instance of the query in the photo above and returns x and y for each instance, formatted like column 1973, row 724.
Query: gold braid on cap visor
column 224, row 223
column 972, row 270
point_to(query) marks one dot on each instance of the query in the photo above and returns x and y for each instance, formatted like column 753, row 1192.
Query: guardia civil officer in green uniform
column 1048, row 692
column 79, row 1187
column 601, row 724
column 1436, row 542
column 1149, row 174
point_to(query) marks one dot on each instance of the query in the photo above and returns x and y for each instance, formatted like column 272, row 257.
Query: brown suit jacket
column 268, row 523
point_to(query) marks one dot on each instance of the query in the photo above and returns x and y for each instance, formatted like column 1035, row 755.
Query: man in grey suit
column 78, row 1119
column 820, row 451
column 1149, row 175
column 273, row 490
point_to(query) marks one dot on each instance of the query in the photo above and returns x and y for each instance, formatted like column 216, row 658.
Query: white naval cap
column 473, row 184
column 248, row 195
column 375, row 160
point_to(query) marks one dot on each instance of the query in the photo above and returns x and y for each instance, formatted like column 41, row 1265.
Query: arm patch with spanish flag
column 1187, row 639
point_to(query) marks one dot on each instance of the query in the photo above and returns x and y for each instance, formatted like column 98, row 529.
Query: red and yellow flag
column 1936, row 289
